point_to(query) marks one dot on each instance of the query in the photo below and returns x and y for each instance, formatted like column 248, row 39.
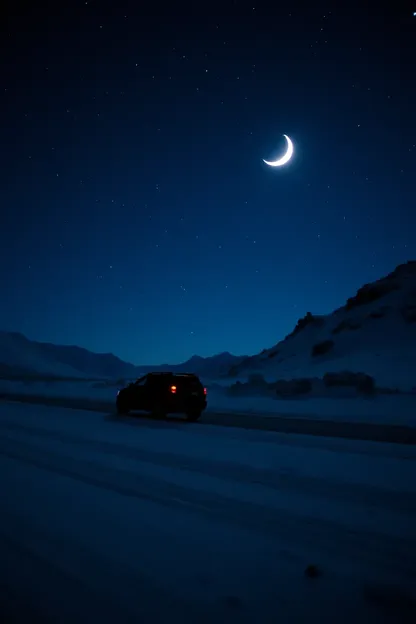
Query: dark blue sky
column 137, row 214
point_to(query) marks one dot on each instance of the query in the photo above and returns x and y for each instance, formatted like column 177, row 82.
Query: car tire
column 193, row 415
column 122, row 409
column 158, row 412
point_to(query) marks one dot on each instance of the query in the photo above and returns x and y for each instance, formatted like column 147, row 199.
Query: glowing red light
column 205, row 391
column 173, row 389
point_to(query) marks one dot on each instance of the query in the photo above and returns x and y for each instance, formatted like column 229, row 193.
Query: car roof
column 180, row 377
column 185, row 375
column 160, row 373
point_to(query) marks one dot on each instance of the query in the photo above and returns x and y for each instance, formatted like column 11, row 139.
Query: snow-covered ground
column 383, row 409
column 158, row 521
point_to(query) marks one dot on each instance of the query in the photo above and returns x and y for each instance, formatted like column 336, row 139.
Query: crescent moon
column 285, row 158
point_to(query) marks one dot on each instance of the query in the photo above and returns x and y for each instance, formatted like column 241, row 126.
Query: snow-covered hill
column 20, row 356
column 374, row 333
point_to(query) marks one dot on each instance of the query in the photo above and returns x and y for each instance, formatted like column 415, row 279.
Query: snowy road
column 144, row 521
column 331, row 426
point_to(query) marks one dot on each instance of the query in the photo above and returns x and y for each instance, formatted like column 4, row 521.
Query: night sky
column 137, row 215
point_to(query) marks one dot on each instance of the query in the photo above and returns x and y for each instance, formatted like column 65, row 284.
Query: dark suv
column 164, row 393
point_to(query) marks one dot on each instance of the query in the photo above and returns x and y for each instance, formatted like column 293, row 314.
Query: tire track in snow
column 357, row 493
column 392, row 555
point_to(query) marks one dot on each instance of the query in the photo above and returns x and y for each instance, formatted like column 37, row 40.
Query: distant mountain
column 374, row 333
column 211, row 367
column 21, row 357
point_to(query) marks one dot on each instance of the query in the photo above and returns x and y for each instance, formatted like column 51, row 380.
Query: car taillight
column 205, row 391
column 173, row 389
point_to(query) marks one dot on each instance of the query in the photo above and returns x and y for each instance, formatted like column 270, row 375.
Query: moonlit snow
column 137, row 520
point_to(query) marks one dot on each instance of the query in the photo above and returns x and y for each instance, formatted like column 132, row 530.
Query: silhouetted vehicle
column 164, row 393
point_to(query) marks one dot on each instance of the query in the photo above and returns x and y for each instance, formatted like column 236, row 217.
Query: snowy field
column 159, row 521
column 383, row 409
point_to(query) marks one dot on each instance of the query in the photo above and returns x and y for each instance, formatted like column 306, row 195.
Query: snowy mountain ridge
column 373, row 333
column 19, row 355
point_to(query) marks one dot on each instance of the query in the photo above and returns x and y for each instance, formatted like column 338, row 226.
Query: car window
column 158, row 381
column 188, row 382
column 141, row 381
